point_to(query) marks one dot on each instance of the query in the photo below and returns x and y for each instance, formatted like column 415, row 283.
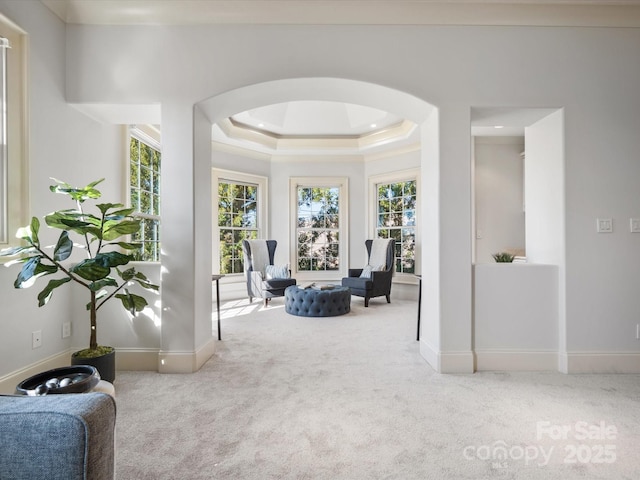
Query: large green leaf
column 125, row 227
column 131, row 275
column 126, row 246
column 12, row 251
column 79, row 194
column 55, row 219
column 144, row 282
column 91, row 270
column 25, row 233
column 28, row 271
column 127, row 274
column 112, row 259
column 35, row 228
column 105, row 207
column 89, row 225
column 45, row 295
column 105, row 282
column 78, row 224
column 133, row 303
column 64, row 247
column 119, row 214
column 42, row 269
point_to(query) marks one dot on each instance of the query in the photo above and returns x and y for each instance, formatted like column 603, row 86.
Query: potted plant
column 97, row 273
column 503, row 257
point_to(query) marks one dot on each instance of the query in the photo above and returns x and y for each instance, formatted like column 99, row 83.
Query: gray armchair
column 258, row 258
column 374, row 280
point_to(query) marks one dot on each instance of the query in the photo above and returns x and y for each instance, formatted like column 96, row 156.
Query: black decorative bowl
column 74, row 379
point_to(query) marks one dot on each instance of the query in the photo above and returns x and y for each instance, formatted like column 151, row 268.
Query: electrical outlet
column 604, row 225
column 36, row 339
column 634, row 225
column 638, row 331
column 66, row 329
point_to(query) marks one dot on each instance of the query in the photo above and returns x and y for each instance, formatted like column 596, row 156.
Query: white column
column 447, row 226
column 186, row 340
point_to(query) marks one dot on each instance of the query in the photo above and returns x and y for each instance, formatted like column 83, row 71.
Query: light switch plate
column 604, row 225
column 634, row 225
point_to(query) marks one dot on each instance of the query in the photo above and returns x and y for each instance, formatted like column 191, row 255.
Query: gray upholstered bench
column 57, row 437
column 311, row 302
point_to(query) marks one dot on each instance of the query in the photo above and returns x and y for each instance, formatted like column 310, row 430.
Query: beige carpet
column 350, row 397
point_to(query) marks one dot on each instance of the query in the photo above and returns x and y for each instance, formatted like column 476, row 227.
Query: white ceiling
column 355, row 128
column 309, row 118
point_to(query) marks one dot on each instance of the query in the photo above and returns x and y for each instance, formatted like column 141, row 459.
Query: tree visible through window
column 318, row 228
column 396, row 218
column 237, row 221
column 144, row 192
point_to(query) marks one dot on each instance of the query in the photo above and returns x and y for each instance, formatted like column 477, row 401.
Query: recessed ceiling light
column 498, row 126
column 373, row 125
column 261, row 125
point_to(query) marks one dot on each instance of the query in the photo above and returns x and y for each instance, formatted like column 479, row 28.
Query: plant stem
column 111, row 294
column 93, row 341
column 59, row 265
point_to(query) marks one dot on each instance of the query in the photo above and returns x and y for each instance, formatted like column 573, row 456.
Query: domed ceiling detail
column 316, row 128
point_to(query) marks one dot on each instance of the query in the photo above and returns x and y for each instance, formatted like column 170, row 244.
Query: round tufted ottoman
column 310, row 302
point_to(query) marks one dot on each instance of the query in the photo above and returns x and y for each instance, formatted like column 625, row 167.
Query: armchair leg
column 388, row 298
column 266, row 302
column 366, row 301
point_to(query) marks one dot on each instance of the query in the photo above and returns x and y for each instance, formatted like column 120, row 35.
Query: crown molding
column 279, row 144
column 581, row 13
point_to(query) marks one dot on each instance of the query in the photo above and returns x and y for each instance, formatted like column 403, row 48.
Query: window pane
column 134, row 174
column 251, row 214
column 135, row 199
column 144, row 193
column 317, row 228
column 396, row 218
column 145, row 202
column 238, row 213
column 156, row 205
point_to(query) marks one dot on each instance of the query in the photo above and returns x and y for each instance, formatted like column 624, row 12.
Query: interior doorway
column 508, row 181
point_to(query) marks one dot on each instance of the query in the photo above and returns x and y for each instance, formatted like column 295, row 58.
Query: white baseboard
column 205, row 352
column 137, row 359
column 600, row 362
column 126, row 359
column 430, row 355
column 516, row 361
column 186, row 362
column 8, row 382
column 457, row 362
column 447, row 362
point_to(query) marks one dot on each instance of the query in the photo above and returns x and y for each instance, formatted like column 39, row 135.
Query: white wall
column 454, row 80
column 63, row 144
column 545, row 207
column 179, row 66
column 516, row 316
column 499, row 181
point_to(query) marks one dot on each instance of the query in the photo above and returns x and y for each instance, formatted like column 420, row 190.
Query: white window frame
column 150, row 135
column 14, row 185
column 218, row 175
column 342, row 183
column 394, row 177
